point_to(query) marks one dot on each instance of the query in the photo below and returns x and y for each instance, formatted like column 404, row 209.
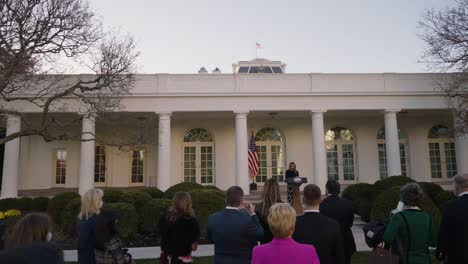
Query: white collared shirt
column 311, row 211
column 232, row 208
column 463, row 193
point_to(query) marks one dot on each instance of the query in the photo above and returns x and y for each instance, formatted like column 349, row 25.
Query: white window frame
column 198, row 146
column 142, row 183
column 54, row 166
column 339, row 143
column 405, row 146
column 443, row 158
column 101, row 184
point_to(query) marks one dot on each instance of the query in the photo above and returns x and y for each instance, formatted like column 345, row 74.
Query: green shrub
column 39, row 204
column 58, row 203
column 24, row 204
column 357, row 193
column 211, row 187
column 181, row 187
column 137, row 199
column 154, row 192
column 206, row 202
column 151, row 213
column 387, row 183
column 444, row 197
column 8, row 203
column 388, row 200
column 127, row 224
column 364, row 209
column 112, row 196
column 431, row 189
column 69, row 216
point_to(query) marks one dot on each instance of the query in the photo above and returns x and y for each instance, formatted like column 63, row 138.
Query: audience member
column 283, row 249
column 33, row 253
column 233, row 230
column 33, row 227
column 91, row 203
column 179, row 231
column 415, row 228
column 340, row 210
column 109, row 248
column 270, row 196
column 453, row 235
column 318, row 230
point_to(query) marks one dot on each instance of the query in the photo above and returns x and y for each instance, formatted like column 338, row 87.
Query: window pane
column 243, row 69
column 277, row 70
column 332, row 162
column 382, row 161
column 60, row 166
column 451, row 160
column 434, row 154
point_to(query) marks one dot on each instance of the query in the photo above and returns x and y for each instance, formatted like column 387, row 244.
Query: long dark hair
column 270, row 196
column 181, row 207
column 105, row 227
column 32, row 227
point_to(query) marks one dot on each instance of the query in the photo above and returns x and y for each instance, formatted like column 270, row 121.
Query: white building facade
column 349, row 127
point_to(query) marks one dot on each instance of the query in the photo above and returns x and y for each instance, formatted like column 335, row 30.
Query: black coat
column 323, row 233
column 341, row 210
column 177, row 238
column 34, row 253
column 453, row 233
column 85, row 229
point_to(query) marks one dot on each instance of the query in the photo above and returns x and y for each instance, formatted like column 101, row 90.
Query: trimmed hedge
column 137, row 199
column 154, row 192
column 112, row 196
column 181, row 187
column 444, row 197
column 39, row 204
column 206, row 202
column 387, row 183
column 151, row 213
column 69, row 216
column 211, row 187
column 388, row 200
column 127, row 224
column 58, row 203
column 8, row 203
column 24, row 204
column 431, row 189
column 357, row 193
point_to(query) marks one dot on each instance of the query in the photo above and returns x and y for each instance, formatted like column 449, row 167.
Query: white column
column 11, row 159
column 461, row 150
column 87, row 154
column 164, row 151
column 392, row 144
column 242, row 169
column 319, row 155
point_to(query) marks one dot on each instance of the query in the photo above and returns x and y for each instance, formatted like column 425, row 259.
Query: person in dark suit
column 318, row 230
column 453, row 232
column 33, row 253
column 340, row 210
column 292, row 172
column 234, row 230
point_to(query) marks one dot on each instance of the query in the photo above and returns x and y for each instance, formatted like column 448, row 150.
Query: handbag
column 381, row 255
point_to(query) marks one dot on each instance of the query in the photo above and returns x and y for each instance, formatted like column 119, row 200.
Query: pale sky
column 348, row 36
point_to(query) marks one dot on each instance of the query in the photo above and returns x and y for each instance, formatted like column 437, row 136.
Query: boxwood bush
column 127, row 224
column 444, row 197
column 154, row 192
column 151, row 213
column 112, row 195
column 69, row 216
column 387, row 183
column 39, row 204
column 8, row 203
column 181, row 187
column 58, row 203
column 357, row 193
column 205, row 202
column 24, row 204
column 388, row 200
column 211, row 187
column 431, row 189
column 137, row 199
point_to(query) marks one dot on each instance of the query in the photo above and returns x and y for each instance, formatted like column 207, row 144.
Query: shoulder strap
column 409, row 236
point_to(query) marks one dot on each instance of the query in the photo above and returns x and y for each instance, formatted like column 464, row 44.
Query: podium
column 297, row 204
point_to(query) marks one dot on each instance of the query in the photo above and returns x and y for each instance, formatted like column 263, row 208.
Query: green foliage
column 211, row 187
column 364, row 209
column 8, row 203
column 431, row 189
column 151, row 213
column 58, row 203
column 385, row 184
column 127, row 224
column 181, row 187
column 39, row 204
column 154, row 192
column 24, row 204
column 206, row 202
column 137, row 199
column 360, row 194
column 444, row 197
column 388, row 200
column 112, row 196
column 69, row 216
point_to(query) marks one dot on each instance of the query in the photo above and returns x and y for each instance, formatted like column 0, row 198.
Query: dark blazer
column 34, row 253
column 341, row 210
column 323, row 233
column 453, row 232
column 234, row 233
column 86, row 240
column 292, row 174
column 177, row 238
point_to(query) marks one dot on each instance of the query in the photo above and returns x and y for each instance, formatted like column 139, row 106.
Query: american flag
column 253, row 157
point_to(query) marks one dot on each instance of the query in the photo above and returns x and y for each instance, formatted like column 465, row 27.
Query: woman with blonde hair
column 179, row 231
column 91, row 203
column 283, row 249
column 270, row 196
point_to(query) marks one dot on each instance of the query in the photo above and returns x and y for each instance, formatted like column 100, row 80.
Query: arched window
column 383, row 153
column 270, row 149
column 339, row 144
column 198, row 149
column 442, row 152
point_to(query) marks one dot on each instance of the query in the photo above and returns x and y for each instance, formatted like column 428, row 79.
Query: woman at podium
column 291, row 173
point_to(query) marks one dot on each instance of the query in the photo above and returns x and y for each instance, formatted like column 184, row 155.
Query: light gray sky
column 180, row 36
